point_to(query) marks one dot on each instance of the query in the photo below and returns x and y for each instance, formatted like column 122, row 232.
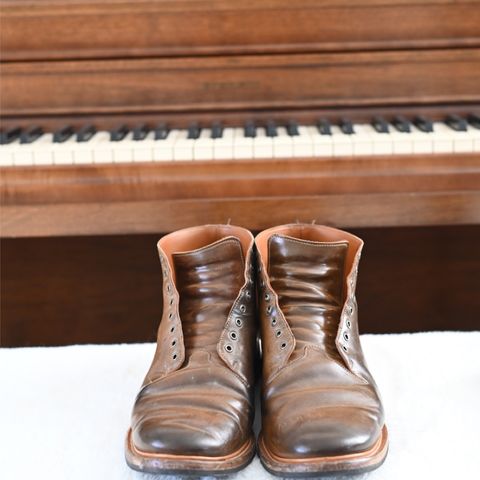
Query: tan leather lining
column 194, row 238
column 310, row 232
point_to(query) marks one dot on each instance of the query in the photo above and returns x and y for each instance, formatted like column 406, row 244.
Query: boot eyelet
column 238, row 322
column 283, row 345
column 350, row 309
column 248, row 294
column 243, row 308
column 269, row 309
column 274, row 321
column 174, row 356
column 171, row 301
column 278, row 333
column 172, row 329
column 228, row 348
column 170, row 315
column 168, row 287
column 267, row 297
column 344, row 348
column 349, row 323
column 233, row 335
column 345, row 336
column 174, row 343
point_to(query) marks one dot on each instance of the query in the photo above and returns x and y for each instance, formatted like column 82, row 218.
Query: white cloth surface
column 64, row 411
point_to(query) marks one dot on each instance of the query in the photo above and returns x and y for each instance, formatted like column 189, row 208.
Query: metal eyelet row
column 274, row 321
column 234, row 335
column 348, row 323
column 171, row 315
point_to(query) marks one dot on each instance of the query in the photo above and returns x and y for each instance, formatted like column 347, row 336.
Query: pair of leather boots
column 295, row 286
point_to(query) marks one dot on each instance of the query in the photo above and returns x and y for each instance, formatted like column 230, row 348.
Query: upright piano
column 124, row 120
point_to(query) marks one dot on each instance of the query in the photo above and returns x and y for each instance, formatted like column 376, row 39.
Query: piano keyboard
column 400, row 136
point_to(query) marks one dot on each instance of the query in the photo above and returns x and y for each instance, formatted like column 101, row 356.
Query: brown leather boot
column 194, row 411
column 321, row 408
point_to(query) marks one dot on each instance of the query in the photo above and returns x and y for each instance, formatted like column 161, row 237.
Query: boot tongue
column 308, row 278
column 208, row 281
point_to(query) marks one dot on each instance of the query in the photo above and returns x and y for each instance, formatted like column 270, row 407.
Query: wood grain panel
column 245, row 83
column 58, row 291
column 345, row 210
column 149, row 197
column 120, row 29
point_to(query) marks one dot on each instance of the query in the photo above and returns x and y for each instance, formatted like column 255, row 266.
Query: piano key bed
column 399, row 136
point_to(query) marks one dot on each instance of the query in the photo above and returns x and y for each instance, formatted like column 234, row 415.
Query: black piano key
column 401, row 124
column 63, row 134
column 217, row 130
column 140, row 132
column 324, row 126
column 271, row 129
column 292, row 128
column 86, row 133
column 424, row 124
column 119, row 133
column 456, row 123
column 346, row 126
column 8, row 136
column 30, row 135
column 193, row 131
column 380, row 125
column 474, row 120
column 250, row 130
column 161, row 131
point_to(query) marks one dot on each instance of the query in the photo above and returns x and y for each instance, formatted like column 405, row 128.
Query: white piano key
column 40, row 150
column 302, row 143
column 223, row 148
column 262, row 145
column 362, row 140
column 183, row 147
column 382, row 143
column 142, row 150
column 63, row 153
column 163, row 149
column 342, row 143
column 103, row 153
column 7, row 156
column 243, row 146
column 203, row 146
column 422, row 141
column 282, row 144
column 442, row 138
column 402, row 143
column 475, row 134
column 463, row 141
column 322, row 144
column 123, row 149
column 84, row 151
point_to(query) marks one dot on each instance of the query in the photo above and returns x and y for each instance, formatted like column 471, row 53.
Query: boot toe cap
column 323, row 432
column 183, row 417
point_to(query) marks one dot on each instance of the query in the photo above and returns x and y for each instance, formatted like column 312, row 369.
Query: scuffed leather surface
column 204, row 407
column 316, row 404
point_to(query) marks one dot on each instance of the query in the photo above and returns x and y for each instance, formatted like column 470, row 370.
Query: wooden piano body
column 78, row 241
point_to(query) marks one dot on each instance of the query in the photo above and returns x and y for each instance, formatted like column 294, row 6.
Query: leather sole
column 353, row 463
column 160, row 463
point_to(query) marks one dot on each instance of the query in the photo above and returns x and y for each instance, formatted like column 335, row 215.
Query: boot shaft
column 307, row 280
column 208, row 301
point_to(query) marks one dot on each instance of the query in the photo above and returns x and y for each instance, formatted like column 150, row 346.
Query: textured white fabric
column 64, row 411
